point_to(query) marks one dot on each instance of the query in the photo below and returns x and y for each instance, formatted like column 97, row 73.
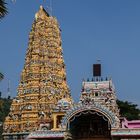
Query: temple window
column 59, row 118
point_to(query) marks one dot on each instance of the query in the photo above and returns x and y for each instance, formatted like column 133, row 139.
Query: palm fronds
column 3, row 8
column 1, row 76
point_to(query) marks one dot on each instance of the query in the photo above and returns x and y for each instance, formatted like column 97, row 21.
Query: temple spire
column 42, row 13
column 43, row 78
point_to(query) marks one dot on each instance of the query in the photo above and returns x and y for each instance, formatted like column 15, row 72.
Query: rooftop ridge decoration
column 43, row 78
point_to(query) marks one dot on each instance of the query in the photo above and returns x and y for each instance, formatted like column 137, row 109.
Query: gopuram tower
column 43, row 79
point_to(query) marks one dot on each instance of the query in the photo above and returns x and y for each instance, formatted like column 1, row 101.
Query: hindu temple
column 44, row 109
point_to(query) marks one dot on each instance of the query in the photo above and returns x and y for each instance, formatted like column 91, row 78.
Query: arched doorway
column 89, row 125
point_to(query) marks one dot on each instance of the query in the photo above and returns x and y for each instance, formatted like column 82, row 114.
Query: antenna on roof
column 98, row 61
column 49, row 7
column 14, row 1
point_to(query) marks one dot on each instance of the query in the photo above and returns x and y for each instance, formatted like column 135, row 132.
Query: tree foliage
column 129, row 110
column 4, row 110
column 1, row 76
column 3, row 8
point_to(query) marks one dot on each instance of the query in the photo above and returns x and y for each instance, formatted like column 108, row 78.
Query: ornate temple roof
column 43, row 79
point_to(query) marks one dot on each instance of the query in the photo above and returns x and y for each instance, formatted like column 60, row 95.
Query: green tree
column 4, row 110
column 3, row 8
column 129, row 110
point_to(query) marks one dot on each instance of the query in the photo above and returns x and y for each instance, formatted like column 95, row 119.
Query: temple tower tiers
column 43, row 78
column 100, row 92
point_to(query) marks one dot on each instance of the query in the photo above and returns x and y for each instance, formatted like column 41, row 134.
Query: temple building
column 44, row 108
column 43, row 78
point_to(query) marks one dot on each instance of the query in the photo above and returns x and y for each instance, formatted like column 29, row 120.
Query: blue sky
column 108, row 30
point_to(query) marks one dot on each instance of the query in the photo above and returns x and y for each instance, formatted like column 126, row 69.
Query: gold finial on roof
column 41, row 13
column 41, row 7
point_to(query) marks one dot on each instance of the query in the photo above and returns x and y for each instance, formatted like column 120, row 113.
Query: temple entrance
column 90, row 125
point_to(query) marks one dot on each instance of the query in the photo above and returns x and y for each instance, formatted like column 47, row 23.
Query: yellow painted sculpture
column 43, row 78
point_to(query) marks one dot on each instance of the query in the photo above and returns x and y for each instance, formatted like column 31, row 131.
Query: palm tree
column 3, row 8
column 1, row 76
